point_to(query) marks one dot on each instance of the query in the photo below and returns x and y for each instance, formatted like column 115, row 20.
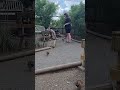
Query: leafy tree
column 54, row 23
column 44, row 10
column 58, row 23
column 77, row 14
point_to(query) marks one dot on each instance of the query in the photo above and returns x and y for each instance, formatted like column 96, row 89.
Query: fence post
column 62, row 30
column 74, row 34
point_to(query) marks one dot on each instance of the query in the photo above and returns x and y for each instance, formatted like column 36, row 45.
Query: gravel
column 60, row 80
column 63, row 53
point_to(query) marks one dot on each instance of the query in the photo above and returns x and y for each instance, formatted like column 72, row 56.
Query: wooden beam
column 17, row 55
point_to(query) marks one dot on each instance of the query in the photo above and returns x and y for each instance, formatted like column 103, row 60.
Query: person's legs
column 69, row 37
column 66, row 35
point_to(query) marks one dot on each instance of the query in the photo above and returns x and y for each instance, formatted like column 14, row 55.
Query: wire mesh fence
column 77, row 34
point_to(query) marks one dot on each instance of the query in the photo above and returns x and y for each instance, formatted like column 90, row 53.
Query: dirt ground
column 63, row 53
column 60, row 80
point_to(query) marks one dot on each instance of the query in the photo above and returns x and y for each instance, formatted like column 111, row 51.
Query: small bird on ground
column 79, row 84
column 47, row 53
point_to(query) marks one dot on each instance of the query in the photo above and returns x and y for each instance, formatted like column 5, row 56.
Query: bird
column 79, row 84
column 47, row 53
column 63, row 40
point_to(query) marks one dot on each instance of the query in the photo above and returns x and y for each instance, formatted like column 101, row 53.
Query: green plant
column 44, row 11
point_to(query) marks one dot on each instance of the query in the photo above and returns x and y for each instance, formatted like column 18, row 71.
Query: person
column 52, row 33
column 67, row 26
column 57, row 33
column 53, row 37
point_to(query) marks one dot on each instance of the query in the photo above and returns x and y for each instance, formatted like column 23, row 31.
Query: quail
column 79, row 84
column 47, row 53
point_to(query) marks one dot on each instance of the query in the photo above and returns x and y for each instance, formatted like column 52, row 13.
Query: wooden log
column 83, row 43
column 42, row 49
column 56, row 68
column 17, row 55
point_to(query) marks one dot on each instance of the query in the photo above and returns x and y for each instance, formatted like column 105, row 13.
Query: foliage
column 44, row 10
column 58, row 23
column 77, row 14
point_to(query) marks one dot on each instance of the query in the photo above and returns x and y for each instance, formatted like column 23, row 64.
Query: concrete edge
column 42, row 49
column 56, row 68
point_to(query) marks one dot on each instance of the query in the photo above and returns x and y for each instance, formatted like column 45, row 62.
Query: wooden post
column 82, row 55
column 116, row 45
column 115, row 71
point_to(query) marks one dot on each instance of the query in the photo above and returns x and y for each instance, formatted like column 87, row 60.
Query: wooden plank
column 100, row 35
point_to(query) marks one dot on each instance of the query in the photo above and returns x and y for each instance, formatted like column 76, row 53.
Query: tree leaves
column 45, row 11
column 77, row 14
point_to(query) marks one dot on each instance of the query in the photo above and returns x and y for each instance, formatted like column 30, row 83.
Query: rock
column 68, row 82
column 56, row 85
